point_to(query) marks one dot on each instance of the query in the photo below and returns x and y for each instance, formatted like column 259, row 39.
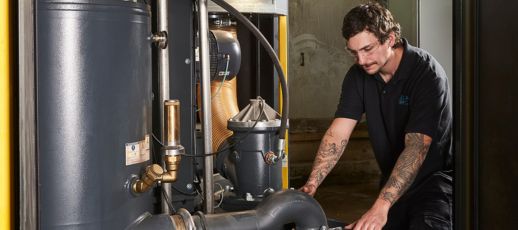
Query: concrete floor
column 347, row 202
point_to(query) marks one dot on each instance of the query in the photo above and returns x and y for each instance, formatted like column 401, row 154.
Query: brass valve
column 155, row 173
column 172, row 164
column 173, row 151
column 152, row 174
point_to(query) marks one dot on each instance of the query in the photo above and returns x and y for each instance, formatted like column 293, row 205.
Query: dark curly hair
column 374, row 18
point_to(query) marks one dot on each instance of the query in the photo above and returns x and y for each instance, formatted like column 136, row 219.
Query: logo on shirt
column 403, row 100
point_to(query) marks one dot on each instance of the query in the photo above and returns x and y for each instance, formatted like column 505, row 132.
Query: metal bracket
column 160, row 39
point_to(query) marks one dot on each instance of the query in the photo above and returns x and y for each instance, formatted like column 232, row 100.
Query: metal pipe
column 152, row 222
column 28, row 205
column 172, row 123
column 206, row 105
column 163, row 82
column 172, row 149
column 277, row 210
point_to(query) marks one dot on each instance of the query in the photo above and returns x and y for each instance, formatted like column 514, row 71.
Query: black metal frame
column 465, row 102
column 256, row 76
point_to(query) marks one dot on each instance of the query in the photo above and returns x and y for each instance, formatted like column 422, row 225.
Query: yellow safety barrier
column 283, row 57
column 5, row 117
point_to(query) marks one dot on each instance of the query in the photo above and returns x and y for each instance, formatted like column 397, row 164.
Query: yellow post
column 5, row 117
column 283, row 57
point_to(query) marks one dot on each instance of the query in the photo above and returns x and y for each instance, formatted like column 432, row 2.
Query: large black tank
column 93, row 112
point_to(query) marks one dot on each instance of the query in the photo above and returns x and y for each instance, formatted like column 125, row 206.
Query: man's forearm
column 329, row 152
column 407, row 167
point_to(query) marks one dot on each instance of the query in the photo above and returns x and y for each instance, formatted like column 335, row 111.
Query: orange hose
column 224, row 106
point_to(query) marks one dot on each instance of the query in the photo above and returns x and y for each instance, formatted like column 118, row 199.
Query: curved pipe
column 271, row 52
column 277, row 210
column 153, row 222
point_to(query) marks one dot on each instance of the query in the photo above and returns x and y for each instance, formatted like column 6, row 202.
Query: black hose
column 271, row 52
column 277, row 210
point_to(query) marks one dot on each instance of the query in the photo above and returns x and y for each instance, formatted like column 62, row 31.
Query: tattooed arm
column 331, row 148
column 407, row 166
column 402, row 176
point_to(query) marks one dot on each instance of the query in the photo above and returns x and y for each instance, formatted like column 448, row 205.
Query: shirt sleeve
column 428, row 105
column 351, row 100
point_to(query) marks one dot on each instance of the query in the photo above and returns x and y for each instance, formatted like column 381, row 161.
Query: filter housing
column 255, row 130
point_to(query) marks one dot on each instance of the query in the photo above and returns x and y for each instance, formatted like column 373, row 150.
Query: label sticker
column 137, row 152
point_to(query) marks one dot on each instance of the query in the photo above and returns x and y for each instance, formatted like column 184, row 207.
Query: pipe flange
column 130, row 182
column 187, row 219
column 174, row 150
column 202, row 218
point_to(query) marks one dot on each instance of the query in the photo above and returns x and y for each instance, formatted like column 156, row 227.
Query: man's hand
column 309, row 188
column 374, row 219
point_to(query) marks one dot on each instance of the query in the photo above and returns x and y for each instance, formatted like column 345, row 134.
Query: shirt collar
column 407, row 62
column 404, row 68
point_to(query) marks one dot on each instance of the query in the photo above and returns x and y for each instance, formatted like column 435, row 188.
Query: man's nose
column 360, row 58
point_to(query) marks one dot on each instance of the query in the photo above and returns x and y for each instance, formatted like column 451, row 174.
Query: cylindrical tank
column 93, row 112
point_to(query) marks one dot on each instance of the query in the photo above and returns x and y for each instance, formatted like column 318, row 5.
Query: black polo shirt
column 416, row 100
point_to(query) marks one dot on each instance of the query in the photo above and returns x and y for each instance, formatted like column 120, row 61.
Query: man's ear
column 392, row 39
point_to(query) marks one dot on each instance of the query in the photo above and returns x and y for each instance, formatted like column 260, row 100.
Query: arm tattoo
column 407, row 167
column 328, row 154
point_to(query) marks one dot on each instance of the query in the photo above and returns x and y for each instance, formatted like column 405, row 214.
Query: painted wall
column 436, row 32
column 428, row 24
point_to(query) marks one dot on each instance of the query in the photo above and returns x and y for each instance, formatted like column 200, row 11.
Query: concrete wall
column 405, row 12
column 314, row 32
column 317, row 65
column 357, row 164
column 317, row 57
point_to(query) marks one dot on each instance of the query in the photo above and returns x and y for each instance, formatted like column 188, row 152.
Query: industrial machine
column 152, row 114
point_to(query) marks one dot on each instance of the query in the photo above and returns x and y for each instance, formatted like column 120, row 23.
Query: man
column 404, row 94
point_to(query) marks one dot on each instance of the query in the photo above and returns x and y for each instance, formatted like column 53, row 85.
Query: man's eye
column 368, row 48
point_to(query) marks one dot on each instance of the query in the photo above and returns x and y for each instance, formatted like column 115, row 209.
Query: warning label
column 137, row 152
